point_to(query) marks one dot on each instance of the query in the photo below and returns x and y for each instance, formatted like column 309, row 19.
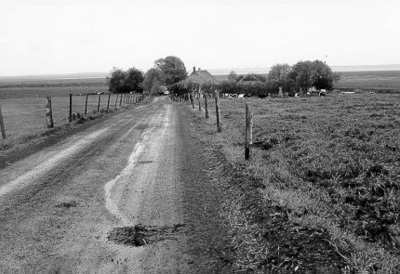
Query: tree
column 232, row 77
column 324, row 78
column 303, row 75
column 173, row 68
column 156, row 89
column 306, row 74
column 134, row 80
column 279, row 74
column 153, row 76
column 116, row 80
column 125, row 81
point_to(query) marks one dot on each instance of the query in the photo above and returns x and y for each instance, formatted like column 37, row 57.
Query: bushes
column 121, row 81
column 254, row 88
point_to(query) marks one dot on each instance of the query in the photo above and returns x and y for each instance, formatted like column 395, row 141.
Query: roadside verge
column 263, row 234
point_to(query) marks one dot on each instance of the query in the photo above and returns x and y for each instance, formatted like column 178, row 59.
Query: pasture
column 331, row 162
column 385, row 81
column 23, row 105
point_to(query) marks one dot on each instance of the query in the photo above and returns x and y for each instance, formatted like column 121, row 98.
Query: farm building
column 201, row 77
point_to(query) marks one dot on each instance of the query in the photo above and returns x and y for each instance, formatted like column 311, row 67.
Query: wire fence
column 25, row 116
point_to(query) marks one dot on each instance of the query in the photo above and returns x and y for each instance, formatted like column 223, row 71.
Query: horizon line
column 100, row 74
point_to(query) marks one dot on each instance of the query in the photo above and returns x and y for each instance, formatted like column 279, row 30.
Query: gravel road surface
column 127, row 195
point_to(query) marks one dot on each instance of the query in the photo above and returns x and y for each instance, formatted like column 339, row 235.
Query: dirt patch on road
column 140, row 235
column 68, row 204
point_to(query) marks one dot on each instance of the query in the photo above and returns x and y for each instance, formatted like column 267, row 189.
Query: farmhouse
column 201, row 77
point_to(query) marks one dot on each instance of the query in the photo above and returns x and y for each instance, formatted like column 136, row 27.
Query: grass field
column 332, row 162
column 23, row 105
column 370, row 80
column 59, row 87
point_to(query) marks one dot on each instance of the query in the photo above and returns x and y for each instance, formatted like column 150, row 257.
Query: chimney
column 194, row 69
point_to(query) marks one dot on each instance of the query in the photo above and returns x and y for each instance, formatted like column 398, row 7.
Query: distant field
column 23, row 104
column 27, row 116
column 370, row 80
column 59, row 87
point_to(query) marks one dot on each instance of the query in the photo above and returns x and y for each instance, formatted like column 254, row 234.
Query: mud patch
column 140, row 235
column 145, row 162
column 67, row 204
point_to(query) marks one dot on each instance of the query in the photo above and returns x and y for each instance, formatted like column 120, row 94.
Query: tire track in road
column 111, row 199
column 46, row 166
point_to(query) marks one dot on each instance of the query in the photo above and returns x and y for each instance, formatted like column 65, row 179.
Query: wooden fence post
column 217, row 111
column 3, row 129
column 108, row 103
column 98, row 104
column 249, row 132
column 70, row 108
column 49, row 113
column 206, row 106
column 86, row 102
column 116, row 101
column 120, row 99
column 200, row 99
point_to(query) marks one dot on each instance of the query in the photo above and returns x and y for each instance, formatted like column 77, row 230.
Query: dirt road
column 127, row 195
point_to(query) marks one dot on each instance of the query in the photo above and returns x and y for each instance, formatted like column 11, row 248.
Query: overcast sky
column 50, row 36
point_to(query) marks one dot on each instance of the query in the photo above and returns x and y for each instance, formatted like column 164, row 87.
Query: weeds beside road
column 323, row 165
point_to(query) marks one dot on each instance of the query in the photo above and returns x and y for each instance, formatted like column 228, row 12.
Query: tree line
column 166, row 72
column 171, row 71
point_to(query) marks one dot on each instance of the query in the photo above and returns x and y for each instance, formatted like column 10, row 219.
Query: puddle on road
column 140, row 235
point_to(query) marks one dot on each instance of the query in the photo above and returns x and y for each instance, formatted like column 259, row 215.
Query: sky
column 68, row 36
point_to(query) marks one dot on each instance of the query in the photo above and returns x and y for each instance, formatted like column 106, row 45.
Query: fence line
column 30, row 115
column 125, row 100
column 248, row 142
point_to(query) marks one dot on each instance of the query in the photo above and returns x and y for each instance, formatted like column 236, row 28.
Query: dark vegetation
column 340, row 156
column 121, row 81
column 353, row 155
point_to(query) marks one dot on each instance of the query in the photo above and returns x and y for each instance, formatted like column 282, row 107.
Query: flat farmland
column 23, row 105
column 42, row 88
column 28, row 115
column 370, row 80
column 331, row 162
